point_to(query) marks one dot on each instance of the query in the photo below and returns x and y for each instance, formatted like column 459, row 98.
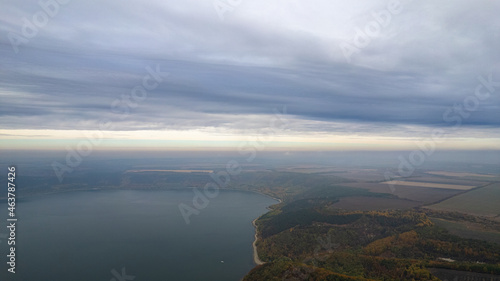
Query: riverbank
column 256, row 258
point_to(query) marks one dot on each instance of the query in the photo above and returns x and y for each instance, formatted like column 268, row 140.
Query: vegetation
column 479, row 201
column 283, row 185
column 308, row 239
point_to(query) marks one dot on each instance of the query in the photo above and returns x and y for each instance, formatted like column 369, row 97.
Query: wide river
column 117, row 235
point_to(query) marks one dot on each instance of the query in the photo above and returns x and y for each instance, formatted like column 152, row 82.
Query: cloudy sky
column 317, row 74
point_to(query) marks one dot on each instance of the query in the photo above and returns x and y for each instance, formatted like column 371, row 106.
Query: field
column 468, row 230
column 423, row 187
column 348, row 173
column 447, row 180
column 482, row 201
column 449, row 274
column 430, row 184
column 374, row 204
column 453, row 174
column 362, row 174
column 423, row 195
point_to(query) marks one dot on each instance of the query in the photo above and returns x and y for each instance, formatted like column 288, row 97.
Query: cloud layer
column 231, row 63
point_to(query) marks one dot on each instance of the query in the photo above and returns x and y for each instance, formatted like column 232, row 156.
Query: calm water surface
column 86, row 235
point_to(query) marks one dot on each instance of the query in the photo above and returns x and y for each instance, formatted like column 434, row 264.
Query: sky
column 280, row 74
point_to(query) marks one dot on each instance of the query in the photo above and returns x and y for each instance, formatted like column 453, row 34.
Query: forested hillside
column 301, row 241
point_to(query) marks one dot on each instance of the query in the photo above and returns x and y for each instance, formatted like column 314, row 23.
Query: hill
column 312, row 240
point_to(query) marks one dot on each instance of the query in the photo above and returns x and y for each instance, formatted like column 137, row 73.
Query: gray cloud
column 262, row 56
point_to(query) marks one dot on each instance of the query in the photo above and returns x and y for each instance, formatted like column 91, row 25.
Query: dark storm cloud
column 91, row 53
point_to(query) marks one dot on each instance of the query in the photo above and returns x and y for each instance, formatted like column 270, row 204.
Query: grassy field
column 447, row 180
column 421, row 194
column 453, row 174
column 358, row 174
column 430, row 184
column 448, row 274
column 484, row 201
column 374, row 204
column 466, row 176
column 467, row 230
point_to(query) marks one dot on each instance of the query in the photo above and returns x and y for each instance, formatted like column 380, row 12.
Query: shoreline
column 256, row 258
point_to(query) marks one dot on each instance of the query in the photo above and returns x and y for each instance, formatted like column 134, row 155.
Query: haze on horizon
column 295, row 75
